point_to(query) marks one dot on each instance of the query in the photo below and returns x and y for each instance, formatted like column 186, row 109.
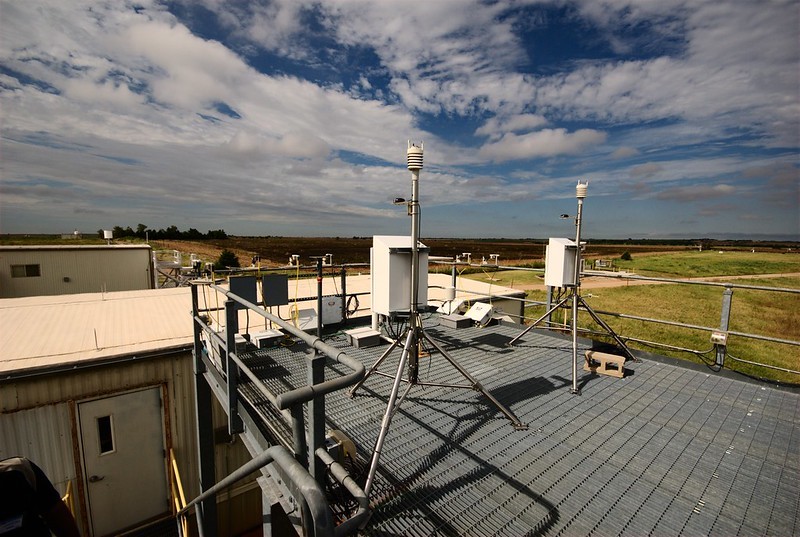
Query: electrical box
column 275, row 289
column 331, row 310
column 391, row 274
column 559, row 265
column 244, row 287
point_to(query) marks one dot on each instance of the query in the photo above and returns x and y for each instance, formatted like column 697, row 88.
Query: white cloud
column 645, row 170
column 696, row 193
column 544, row 143
column 624, row 152
column 293, row 145
column 496, row 126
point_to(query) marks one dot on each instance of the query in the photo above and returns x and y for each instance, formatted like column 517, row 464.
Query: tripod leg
column 610, row 330
column 477, row 386
column 537, row 321
column 372, row 369
column 390, row 410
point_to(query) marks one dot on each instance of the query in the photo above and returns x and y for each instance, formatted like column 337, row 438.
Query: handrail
column 343, row 477
column 178, row 496
column 294, row 474
column 306, row 393
column 68, row 499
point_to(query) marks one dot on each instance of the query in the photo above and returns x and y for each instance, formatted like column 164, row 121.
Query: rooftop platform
column 666, row 450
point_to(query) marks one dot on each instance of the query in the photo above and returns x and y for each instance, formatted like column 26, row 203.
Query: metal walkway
column 667, row 450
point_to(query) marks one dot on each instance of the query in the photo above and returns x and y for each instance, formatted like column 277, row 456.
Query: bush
column 626, row 256
column 227, row 259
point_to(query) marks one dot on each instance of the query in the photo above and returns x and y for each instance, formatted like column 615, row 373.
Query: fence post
column 344, row 295
column 235, row 424
column 316, row 416
column 725, row 317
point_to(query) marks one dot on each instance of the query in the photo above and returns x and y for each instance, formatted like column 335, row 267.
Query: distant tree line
column 171, row 233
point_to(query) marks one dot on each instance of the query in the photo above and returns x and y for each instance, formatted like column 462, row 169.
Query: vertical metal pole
column 413, row 318
column 576, row 293
column 453, row 274
column 316, row 416
column 299, row 435
column 319, row 297
column 235, row 424
column 205, row 428
column 549, row 320
column 344, row 295
column 725, row 317
column 414, row 208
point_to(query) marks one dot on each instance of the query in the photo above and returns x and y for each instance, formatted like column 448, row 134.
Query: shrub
column 227, row 259
column 626, row 256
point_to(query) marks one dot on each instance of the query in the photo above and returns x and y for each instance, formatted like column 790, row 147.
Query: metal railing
column 69, row 499
column 178, row 496
column 723, row 329
column 305, row 467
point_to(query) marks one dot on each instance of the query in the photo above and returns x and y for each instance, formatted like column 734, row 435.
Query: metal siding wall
column 89, row 271
column 44, row 435
column 176, row 371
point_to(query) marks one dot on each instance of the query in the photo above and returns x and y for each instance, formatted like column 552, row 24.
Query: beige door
column 122, row 441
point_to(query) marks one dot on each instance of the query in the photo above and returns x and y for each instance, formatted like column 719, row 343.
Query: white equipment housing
column 391, row 274
column 559, row 265
column 481, row 313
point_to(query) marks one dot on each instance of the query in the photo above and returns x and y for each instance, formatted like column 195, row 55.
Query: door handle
column 96, row 478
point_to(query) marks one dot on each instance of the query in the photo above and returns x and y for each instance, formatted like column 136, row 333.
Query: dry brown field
column 275, row 251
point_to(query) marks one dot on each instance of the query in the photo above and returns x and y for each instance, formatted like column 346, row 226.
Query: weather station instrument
column 413, row 337
column 563, row 269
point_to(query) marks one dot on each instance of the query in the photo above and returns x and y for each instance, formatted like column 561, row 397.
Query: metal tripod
column 412, row 339
column 577, row 300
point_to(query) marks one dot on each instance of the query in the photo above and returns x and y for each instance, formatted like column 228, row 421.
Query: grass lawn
column 711, row 263
column 765, row 313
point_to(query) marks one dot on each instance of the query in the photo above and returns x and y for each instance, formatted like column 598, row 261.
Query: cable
column 350, row 299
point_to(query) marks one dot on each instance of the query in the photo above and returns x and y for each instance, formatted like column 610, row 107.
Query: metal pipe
column 387, row 416
column 300, row 480
column 576, row 296
column 342, row 476
column 306, row 393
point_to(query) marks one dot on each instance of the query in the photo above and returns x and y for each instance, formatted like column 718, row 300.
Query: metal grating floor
column 667, row 450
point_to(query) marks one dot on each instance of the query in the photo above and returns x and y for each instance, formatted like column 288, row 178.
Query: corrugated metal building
column 58, row 270
column 97, row 389
column 87, row 379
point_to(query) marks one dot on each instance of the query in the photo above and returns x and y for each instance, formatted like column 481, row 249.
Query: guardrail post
column 725, row 317
column 299, row 445
column 344, row 295
column 207, row 510
column 235, row 424
column 316, row 416
column 319, row 297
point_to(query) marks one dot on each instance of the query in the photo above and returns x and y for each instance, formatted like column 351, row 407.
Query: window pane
column 26, row 271
column 106, row 434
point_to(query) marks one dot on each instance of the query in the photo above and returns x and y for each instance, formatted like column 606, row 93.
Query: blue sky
column 291, row 117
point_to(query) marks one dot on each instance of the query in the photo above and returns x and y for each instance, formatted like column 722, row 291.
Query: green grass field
column 711, row 263
column 765, row 313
